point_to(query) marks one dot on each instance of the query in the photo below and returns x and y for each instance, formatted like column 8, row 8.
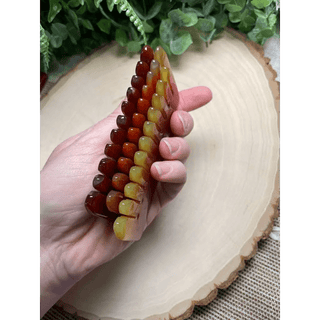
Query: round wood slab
column 200, row 241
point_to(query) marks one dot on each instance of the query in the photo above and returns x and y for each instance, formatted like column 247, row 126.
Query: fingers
column 194, row 98
column 181, row 123
column 174, row 149
column 169, row 171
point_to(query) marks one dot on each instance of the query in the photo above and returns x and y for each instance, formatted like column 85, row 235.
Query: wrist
column 54, row 281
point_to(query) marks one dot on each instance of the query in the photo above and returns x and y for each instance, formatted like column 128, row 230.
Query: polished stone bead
column 118, row 136
column 102, row 183
column 138, row 120
column 129, row 149
column 146, row 54
column 134, row 135
column 113, row 150
column 123, row 121
column 113, row 200
column 124, row 164
column 119, row 180
column 137, row 82
column 141, row 69
column 107, row 166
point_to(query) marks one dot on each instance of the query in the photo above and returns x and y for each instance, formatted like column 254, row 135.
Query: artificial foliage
column 80, row 26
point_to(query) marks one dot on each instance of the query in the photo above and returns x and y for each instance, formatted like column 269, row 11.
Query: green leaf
column 183, row 19
column 55, row 8
column 73, row 32
column 154, row 10
column 224, row 1
column 261, row 23
column 87, row 24
column 207, row 7
column 81, row 10
column 205, row 25
column 221, row 20
column 147, row 27
column 59, row 29
column 266, row 33
column 249, row 21
column 235, row 5
column 121, row 37
column 272, row 19
column 259, row 13
column 166, row 30
column 74, row 3
column 194, row 10
column 74, row 18
column 235, row 17
column 91, row 7
column 104, row 25
column 254, row 35
column 261, row 3
column 133, row 46
column 181, row 43
column 192, row 3
column 110, row 4
column 55, row 41
column 97, row 3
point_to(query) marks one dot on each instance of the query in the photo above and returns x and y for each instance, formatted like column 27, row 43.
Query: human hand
column 74, row 242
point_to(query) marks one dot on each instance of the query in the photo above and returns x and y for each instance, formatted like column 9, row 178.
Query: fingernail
column 184, row 121
column 163, row 169
column 173, row 145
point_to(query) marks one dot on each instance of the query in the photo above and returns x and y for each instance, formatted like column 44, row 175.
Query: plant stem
column 116, row 24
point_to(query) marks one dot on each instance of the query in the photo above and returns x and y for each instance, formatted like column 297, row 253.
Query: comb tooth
column 119, row 180
column 107, row 166
column 133, row 95
column 147, row 144
column 123, row 121
column 146, row 54
column 142, row 68
column 134, row 135
column 128, row 108
column 139, row 175
column 138, row 120
column 102, row 183
column 159, row 55
column 113, row 200
column 159, row 102
column 137, row 82
column 126, row 228
column 154, row 115
column 165, row 74
column 161, row 88
column 118, row 136
column 150, row 130
column 134, row 191
column 155, row 68
column 95, row 204
column 129, row 149
column 129, row 208
column 151, row 80
column 147, row 92
column 142, row 159
column 143, row 106
column 113, row 150
column 124, row 165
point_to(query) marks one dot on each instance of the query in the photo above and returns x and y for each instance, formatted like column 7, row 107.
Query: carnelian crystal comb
column 122, row 187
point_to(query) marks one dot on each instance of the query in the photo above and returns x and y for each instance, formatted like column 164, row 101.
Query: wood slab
column 200, row 241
